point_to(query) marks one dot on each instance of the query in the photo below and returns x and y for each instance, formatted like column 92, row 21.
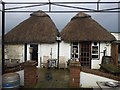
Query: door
column 34, row 55
column 85, row 54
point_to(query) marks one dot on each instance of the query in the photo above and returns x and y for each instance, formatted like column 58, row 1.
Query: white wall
column 45, row 50
column 95, row 62
column 28, row 54
column 14, row 52
column 21, row 74
column 65, row 50
column 17, row 52
column 116, row 35
column 89, row 80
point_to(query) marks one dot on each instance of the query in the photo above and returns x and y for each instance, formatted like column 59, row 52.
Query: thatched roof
column 83, row 28
column 38, row 28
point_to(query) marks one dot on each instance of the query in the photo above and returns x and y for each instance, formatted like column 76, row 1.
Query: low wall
column 74, row 74
column 21, row 73
column 87, row 78
column 30, row 74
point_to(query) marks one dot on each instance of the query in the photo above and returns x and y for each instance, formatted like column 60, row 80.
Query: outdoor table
column 103, row 86
column 52, row 63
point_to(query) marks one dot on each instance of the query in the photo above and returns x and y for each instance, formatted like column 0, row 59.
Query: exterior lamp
column 58, row 38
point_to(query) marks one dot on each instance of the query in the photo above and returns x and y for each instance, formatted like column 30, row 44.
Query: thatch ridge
column 83, row 28
column 39, row 28
column 81, row 15
column 39, row 13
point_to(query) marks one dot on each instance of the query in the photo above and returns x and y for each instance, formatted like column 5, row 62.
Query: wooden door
column 85, row 54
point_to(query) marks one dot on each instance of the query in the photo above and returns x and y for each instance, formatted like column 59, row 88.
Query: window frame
column 75, row 45
column 98, row 50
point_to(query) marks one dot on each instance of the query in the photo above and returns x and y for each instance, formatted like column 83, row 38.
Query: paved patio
column 53, row 78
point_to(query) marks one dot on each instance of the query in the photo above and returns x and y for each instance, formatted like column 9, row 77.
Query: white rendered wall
column 65, row 50
column 14, row 52
column 89, row 80
column 21, row 74
column 95, row 62
column 116, row 35
column 28, row 54
column 45, row 50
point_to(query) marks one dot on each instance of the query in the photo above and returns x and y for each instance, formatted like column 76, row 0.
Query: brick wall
column 30, row 74
column 75, row 74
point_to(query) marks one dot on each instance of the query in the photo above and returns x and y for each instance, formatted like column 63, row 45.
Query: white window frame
column 93, row 50
column 72, row 45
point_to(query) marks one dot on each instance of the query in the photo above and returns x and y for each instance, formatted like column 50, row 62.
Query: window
column 95, row 50
column 75, row 50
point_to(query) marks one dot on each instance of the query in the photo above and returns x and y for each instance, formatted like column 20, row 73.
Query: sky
column 107, row 20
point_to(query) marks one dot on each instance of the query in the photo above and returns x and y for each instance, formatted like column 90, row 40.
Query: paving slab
column 53, row 78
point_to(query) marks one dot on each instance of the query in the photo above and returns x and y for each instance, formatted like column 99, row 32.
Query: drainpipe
column 58, row 53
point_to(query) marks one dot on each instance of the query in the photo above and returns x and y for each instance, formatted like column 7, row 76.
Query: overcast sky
column 107, row 20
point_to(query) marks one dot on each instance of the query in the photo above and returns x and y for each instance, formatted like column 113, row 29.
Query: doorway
column 85, row 54
column 34, row 55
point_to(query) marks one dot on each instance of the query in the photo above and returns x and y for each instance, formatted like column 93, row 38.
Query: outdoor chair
column 44, row 63
column 109, row 66
column 62, row 63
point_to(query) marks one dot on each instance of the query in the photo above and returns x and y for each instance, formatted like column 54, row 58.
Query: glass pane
column 75, row 46
column 87, row 54
column 95, row 43
column 94, row 56
column 95, row 52
column 75, row 43
column 95, row 49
